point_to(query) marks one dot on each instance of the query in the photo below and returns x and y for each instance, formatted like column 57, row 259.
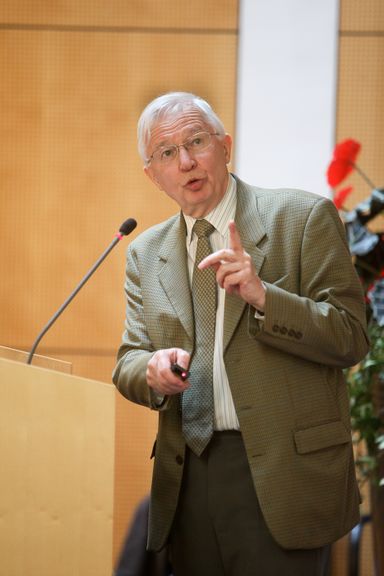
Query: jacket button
column 299, row 335
column 275, row 328
column 283, row 330
column 179, row 459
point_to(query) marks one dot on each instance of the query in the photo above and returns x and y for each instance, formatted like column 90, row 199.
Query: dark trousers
column 219, row 529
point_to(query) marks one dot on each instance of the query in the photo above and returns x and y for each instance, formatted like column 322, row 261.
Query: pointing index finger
column 234, row 237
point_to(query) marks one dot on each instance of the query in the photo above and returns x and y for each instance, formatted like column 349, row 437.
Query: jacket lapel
column 173, row 275
column 252, row 231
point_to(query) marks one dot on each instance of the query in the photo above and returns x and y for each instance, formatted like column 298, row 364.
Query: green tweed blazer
column 285, row 372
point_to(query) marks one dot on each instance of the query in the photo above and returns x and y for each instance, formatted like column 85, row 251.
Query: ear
column 227, row 145
column 151, row 175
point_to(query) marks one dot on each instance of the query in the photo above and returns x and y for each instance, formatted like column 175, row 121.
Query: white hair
column 168, row 104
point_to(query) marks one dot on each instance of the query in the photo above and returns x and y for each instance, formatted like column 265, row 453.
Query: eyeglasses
column 194, row 145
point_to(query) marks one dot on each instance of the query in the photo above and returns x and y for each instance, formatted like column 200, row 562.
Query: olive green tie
column 197, row 401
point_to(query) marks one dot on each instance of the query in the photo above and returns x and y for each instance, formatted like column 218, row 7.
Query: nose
column 186, row 160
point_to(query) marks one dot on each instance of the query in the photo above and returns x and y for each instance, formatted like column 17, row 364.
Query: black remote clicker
column 180, row 371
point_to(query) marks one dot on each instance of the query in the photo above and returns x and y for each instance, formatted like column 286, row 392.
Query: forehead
column 175, row 126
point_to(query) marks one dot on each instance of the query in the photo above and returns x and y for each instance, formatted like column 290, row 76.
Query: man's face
column 197, row 182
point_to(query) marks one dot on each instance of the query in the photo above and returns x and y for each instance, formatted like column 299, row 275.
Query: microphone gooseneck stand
column 126, row 228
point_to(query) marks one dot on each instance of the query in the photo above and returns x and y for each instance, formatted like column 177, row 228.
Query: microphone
column 126, row 228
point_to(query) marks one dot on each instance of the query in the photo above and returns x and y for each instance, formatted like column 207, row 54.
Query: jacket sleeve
column 136, row 349
column 325, row 321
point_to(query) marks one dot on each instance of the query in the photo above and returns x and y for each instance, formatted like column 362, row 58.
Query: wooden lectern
column 57, row 469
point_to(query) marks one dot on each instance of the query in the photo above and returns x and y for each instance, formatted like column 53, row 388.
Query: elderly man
column 242, row 311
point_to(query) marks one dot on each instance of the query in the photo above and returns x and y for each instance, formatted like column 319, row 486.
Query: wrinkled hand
column 235, row 271
column 159, row 374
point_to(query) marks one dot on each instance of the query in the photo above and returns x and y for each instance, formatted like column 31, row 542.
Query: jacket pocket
column 321, row 436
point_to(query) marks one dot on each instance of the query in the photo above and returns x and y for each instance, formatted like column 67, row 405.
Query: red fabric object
column 347, row 150
column 343, row 162
column 337, row 171
column 340, row 196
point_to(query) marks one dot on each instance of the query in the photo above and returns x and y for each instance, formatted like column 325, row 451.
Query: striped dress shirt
column 225, row 417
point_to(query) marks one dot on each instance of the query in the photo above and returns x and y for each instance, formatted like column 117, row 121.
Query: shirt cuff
column 258, row 314
column 159, row 399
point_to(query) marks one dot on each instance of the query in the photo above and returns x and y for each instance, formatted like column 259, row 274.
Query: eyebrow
column 189, row 133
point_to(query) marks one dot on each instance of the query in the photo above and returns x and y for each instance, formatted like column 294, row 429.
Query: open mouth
column 194, row 183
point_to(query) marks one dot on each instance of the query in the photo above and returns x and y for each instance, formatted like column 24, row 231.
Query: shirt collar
column 221, row 214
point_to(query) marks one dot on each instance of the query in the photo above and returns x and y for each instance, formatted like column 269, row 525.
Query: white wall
column 286, row 92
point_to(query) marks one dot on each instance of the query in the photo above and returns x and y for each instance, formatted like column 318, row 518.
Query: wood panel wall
column 74, row 78
column 360, row 98
column 360, row 115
